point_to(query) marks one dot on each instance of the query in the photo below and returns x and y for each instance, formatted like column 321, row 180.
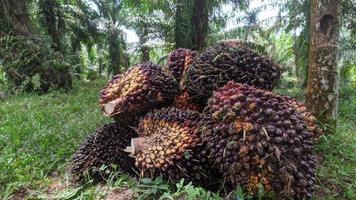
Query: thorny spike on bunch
column 184, row 101
column 229, row 61
column 257, row 138
column 103, row 147
column 173, row 149
column 139, row 89
column 179, row 61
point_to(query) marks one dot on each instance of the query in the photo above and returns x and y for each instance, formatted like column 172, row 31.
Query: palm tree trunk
column 14, row 13
column 114, row 52
column 100, row 59
column 322, row 88
column 145, row 50
column 183, row 24
column 38, row 60
column 54, row 21
column 100, row 62
column 200, row 24
column 115, row 63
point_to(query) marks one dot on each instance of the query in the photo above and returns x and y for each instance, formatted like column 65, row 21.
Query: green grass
column 337, row 174
column 39, row 134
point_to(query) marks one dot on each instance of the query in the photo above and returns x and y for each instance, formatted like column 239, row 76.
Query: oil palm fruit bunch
column 104, row 147
column 308, row 116
column 179, row 61
column 257, row 139
column 229, row 60
column 141, row 88
column 172, row 147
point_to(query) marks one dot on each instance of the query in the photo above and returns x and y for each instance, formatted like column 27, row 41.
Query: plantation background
column 85, row 43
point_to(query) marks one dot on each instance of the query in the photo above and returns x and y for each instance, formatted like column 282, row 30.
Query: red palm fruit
column 256, row 138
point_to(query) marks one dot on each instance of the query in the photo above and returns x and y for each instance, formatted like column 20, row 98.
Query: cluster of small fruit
column 207, row 117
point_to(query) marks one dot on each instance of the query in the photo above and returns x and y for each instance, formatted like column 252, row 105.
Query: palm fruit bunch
column 227, row 61
column 141, row 88
column 243, row 135
column 179, row 61
column 104, row 147
column 173, row 148
column 257, row 139
column 308, row 116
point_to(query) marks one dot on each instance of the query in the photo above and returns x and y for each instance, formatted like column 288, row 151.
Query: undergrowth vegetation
column 39, row 134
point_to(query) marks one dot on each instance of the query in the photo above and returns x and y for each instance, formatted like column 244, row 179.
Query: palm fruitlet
column 257, row 139
column 173, row 148
column 229, row 61
column 104, row 147
column 179, row 61
column 139, row 89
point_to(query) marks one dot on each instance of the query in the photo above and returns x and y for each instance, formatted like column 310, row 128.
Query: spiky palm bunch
column 174, row 147
column 104, row 147
column 139, row 89
column 256, row 138
column 227, row 61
